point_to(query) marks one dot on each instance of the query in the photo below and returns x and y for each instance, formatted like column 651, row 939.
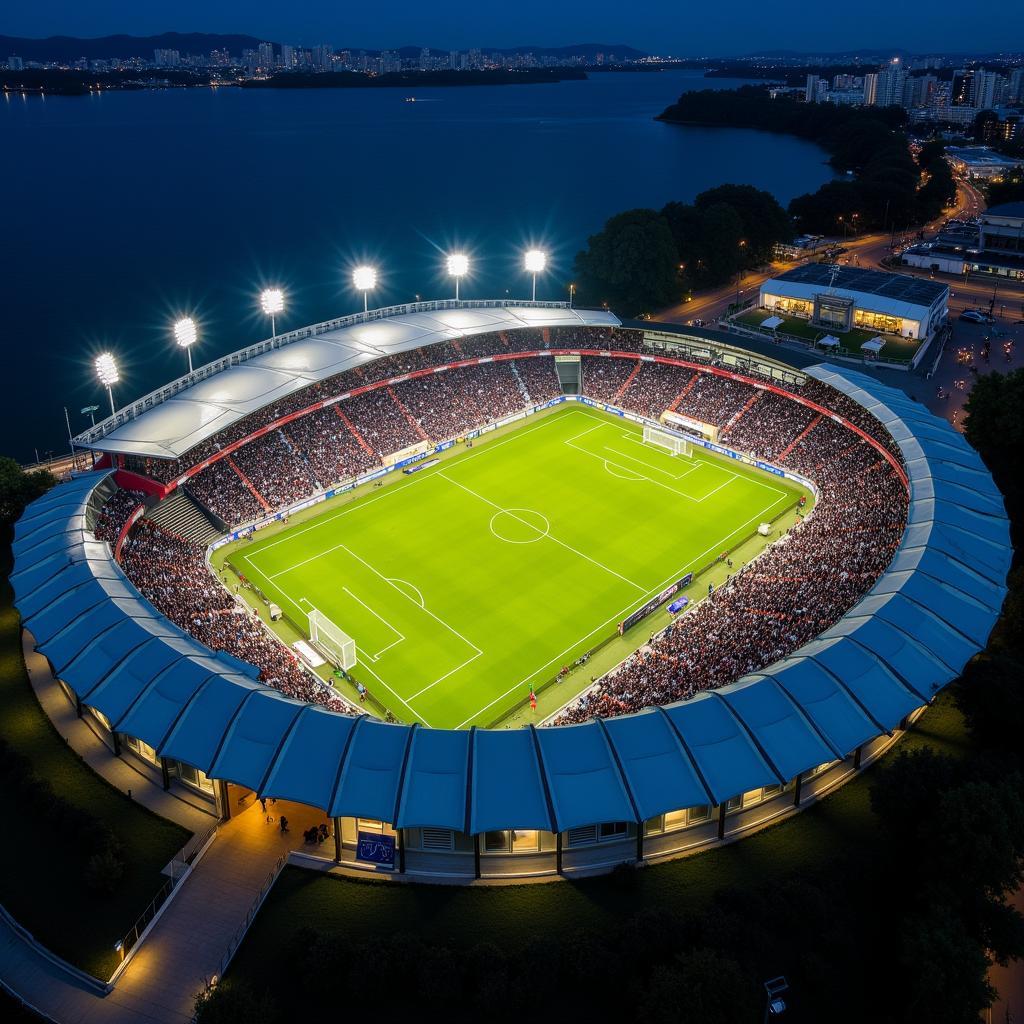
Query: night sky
column 678, row 27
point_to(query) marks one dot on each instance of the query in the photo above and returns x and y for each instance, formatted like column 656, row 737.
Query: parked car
column 976, row 316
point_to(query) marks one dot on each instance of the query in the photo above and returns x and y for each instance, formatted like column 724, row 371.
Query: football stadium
column 512, row 589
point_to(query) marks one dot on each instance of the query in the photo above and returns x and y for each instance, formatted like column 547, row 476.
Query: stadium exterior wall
column 581, row 790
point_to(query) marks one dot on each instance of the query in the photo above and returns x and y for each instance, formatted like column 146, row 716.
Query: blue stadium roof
column 911, row 634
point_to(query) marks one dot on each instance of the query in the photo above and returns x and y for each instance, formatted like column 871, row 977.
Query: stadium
column 512, row 589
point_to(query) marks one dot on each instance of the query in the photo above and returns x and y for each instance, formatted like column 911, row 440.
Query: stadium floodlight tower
column 364, row 279
column 106, row 370
column 535, row 261
column 185, row 334
column 458, row 267
column 272, row 301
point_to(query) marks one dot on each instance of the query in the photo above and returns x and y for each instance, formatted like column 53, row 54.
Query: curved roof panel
column 910, row 635
column 169, row 422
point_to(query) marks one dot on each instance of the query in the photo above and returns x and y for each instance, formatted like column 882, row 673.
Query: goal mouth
column 331, row 641
column 673, row 443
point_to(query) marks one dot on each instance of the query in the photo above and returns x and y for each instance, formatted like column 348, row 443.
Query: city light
column 106, row 370
column 458, row 266
column 535, row 261
column 272, row 301
column 185, row 334
column 364, row 280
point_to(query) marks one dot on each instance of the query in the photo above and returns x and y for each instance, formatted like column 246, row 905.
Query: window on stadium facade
column 515, row 840
column 192, row 776
column 798, row 307
column 143, row 749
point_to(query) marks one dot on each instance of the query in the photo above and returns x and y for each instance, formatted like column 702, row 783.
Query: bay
column 123, row 210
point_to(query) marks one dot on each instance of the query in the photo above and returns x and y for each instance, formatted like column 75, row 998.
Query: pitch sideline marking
column 561, row 543
column 464, row 457
column 675, row 576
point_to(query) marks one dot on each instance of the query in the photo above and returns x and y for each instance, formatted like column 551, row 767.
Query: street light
column 185, row 334
column 272, row 301
column 535, row 261
column 365, row 280
column 106, row 370
column 458, row 266
column 572, row 292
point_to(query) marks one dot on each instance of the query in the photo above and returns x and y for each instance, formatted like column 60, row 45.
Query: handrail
column 250, row 916
column 186, row 857
column 243, row 355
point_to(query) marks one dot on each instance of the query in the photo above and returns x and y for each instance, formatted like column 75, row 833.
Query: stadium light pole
column 106, row 370
column 365, row 280
column 185, row 334
column 572, row 292
column 458, row 267
column 272, row 301
column 535, row 261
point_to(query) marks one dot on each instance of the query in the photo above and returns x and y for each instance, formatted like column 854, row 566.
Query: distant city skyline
column 655, row 26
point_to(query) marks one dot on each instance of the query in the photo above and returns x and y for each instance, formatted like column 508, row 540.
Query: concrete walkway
column 185, row 947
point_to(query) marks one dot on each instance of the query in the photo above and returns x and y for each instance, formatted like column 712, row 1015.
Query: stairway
column 625, row 384
column 750, row 403
column 520, row 384
column 248, row 483
column 408, row 415
column 363, row 443
column 183, row 516
column 799, row 437
column 682, row 394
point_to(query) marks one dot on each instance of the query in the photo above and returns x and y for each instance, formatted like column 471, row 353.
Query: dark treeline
column 898, row 923
column 645, row 260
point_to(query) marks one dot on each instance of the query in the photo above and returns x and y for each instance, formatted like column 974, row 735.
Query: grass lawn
column 41, row 881
column 357, row 912
column 468, row 583
column 850, row 342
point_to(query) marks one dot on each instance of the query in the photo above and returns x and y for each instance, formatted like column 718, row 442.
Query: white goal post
column 335, row 644
column 675, row 444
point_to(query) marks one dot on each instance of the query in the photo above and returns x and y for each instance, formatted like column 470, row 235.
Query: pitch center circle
column 520, row 525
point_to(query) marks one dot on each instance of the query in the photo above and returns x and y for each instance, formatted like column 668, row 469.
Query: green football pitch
column 467, row 583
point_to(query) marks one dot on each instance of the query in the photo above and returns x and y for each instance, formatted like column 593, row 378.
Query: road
column 863, row 251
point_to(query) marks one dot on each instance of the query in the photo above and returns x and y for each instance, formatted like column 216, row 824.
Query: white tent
column 874, row 346
column 772, row 322
column 829, row 341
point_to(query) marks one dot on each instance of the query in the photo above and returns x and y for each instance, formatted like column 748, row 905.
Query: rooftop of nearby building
column 897, row 287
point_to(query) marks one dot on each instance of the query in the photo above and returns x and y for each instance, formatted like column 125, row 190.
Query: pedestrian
column 263, row 804
column 284, row 824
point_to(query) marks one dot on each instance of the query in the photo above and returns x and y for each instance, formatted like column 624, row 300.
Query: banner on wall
column 376, row 848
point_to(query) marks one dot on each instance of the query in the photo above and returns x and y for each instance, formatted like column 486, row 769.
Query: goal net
column 335, row 644
column 673, row 442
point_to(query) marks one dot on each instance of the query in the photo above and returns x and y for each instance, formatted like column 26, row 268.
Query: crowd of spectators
column 816, row 570
column 171, row 574
column 111, row 519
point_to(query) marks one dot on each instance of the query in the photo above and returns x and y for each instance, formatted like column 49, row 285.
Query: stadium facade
column 510, row 802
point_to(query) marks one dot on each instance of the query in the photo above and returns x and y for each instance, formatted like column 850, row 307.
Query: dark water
column 123, row 210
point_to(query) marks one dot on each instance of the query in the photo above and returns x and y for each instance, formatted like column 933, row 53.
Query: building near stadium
column 650, row 782
column 840, row 298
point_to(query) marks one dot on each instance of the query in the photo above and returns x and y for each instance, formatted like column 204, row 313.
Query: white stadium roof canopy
column 167, row 423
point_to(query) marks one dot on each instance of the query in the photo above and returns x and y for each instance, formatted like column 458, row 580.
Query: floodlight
column 364, row 278
column 458, row 265
column 535, row 261
column 272, row 301
column 106, row 370
column 185, row 334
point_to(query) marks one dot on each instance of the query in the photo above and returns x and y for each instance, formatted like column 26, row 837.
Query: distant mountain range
column 67, row 48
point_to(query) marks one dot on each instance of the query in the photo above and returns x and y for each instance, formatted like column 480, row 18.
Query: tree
column 18, row 488
column 699, row 986
column 632, row 264
column 764, row 221
column 991, row 698
column 995, row 427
